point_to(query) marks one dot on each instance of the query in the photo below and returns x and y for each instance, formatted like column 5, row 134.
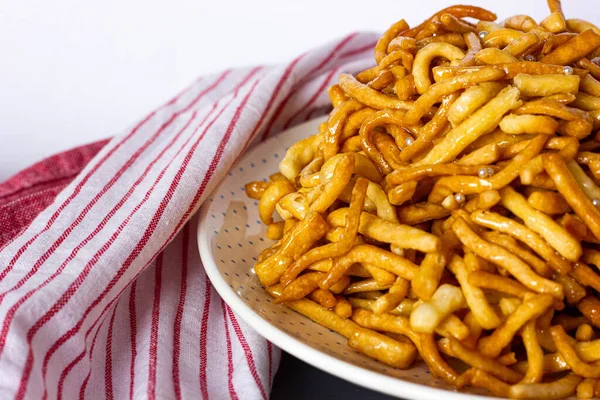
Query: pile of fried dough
column 449, row 207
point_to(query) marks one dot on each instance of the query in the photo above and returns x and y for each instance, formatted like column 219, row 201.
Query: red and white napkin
column 102, row 291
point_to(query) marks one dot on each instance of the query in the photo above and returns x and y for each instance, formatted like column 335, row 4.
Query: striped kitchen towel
column 102, row 291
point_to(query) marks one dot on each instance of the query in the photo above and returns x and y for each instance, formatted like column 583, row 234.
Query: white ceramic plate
column 230, row 236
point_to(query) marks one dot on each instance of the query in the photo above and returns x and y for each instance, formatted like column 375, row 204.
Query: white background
column 74, row 71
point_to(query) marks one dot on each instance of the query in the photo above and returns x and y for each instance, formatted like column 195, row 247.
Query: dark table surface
column 297, row 380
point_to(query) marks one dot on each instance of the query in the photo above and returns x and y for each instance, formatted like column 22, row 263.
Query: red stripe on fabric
column 100, row 194
column 153, row 352
column 61, row 381
column 76, row 328
column 76, row 191
column 278, row 87
column 337, row 48
column 63, row 377
column 108, row 364
column 179, row 311
column 132, row 337
column 55, row 168
column 6, row 207
column 140, row 245
column 32, row 190
column 88, row 175
column 104, row 221
column 313, row 98
column 270, row 353
column 11, row 313
column 16, row 215
column 247, row 351
column 350, row 53
column 204, row 337
column 83, row 385
column 85, row 179
column 64, row 299
column 210, row 172
column 191, row 206
column 315, row 70
column 230, row 386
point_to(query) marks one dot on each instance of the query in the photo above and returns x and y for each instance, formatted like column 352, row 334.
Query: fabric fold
column 104, row 291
